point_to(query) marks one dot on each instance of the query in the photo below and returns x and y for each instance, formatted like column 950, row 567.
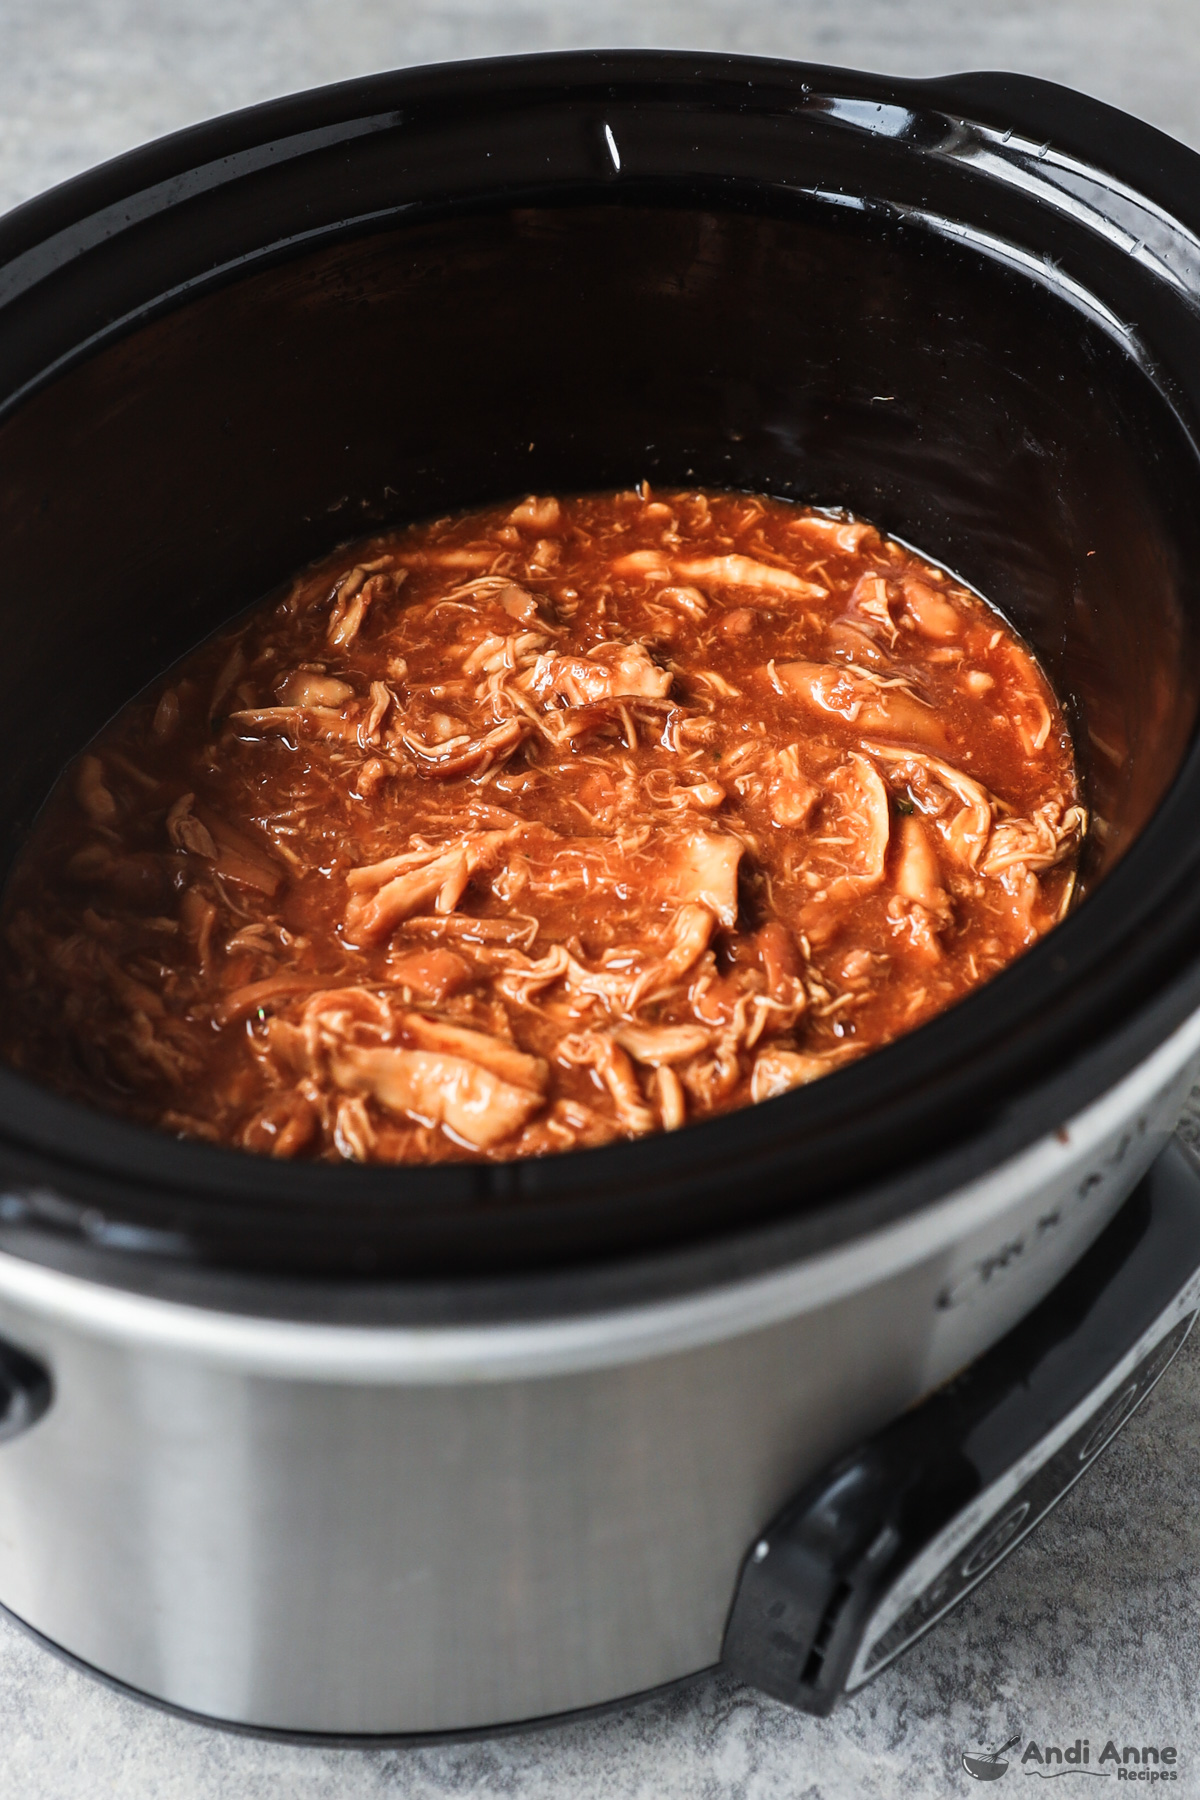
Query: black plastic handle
column 887, row 1539
column 26, row 1391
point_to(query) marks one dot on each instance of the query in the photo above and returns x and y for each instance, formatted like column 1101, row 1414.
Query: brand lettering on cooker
column 1117, row 1760
column 986, row 1269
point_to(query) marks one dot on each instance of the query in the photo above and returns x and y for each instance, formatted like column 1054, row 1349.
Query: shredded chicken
column 778, row 1071
column 831, row 533
column 965, row 830
column 385, row 894
column 746, row 572
column 532, row 829
column 918, row 876
column 1040, row 841
column 931, row 613
column 477, row 1105
column 602, row 1053
column 659, row 1044
column 860, row 698
column 791, row 795
column 609, row 672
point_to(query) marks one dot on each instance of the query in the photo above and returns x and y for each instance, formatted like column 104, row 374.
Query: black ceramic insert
column 964, row 309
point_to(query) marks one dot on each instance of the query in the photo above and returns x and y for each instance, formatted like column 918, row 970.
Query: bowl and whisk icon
column 988, row 1765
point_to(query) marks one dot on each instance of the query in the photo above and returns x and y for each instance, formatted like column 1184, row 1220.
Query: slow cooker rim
column 1148, row 157
column 643, row 1281
column 22, row 1105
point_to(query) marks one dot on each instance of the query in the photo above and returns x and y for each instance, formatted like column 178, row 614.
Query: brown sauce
column 541, row 827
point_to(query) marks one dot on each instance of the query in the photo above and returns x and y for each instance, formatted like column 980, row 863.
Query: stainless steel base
column 382, row 1530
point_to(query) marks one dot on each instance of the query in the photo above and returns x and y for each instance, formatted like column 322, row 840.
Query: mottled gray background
column 1091, row 1628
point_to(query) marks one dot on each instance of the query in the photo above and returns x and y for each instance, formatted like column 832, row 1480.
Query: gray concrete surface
column 1093, row 1626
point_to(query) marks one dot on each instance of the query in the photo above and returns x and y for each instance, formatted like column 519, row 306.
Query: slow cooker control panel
column 886, row 1540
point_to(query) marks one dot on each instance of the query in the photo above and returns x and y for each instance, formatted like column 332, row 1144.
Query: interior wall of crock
column 158, row 488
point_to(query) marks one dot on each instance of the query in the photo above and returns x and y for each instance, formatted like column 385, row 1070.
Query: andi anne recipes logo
column 1116, row 1761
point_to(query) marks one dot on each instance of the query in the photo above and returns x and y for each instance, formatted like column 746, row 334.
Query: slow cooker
column 371, row 1451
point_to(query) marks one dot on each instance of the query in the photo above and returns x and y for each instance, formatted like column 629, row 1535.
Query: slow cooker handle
column 887, row 1539
column 26, row 1391
column 1144, row 160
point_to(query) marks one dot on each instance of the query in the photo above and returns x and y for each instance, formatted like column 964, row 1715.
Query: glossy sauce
column 539, row 827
